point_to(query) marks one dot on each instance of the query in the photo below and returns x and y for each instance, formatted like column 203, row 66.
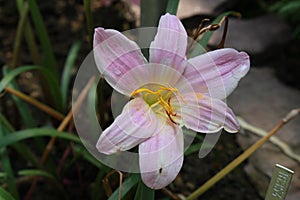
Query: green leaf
column 28, row 119
column 172, row 7
column 12, row 74
column 30, row 38
column 4, row 122
column 19, row 35
column 89, row 20
column 54, row 88
column 4, row 195
column 290, row 11
column 127, row 185
column 276, row 6
column 35, row 132
column 67, row 72
column 23, row 150
column 22, row 106
column 291, row 7
column 35, row 172
column 6, row 166
column 192, row 149
column 20, row 5
column 3, row 175
column 49, row 59
column 143, row 192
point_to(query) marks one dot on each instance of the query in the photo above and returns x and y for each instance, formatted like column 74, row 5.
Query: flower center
column 156, row 95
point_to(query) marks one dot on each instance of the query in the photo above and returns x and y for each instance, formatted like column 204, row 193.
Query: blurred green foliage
column 290, row 11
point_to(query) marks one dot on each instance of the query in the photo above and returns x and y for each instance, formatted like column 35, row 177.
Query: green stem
column 151, row 10
column 41, row 31
column 7, row 167
column 89, row 20
column 23, row 150
column 32, row 46
column 172, row 7
column 48, row 60
column 19, row 35
column 31, row 43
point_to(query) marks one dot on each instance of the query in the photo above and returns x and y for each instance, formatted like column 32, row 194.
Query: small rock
column 188, row 8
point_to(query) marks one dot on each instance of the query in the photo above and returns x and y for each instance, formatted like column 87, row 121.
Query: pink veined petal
column 106, row 2
column 150, row 73
column 115, row 55
column 218, row 72
column 135, row 124
column 170, row 43
column 207, row 115
column 136, row 2
column 161, row 157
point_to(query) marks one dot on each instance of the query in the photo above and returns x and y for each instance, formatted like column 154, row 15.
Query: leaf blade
column 66, row 75
column 35, row 132
column 143, row 192
column 5, row 195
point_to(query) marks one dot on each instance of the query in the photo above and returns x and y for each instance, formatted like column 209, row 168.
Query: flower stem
column 151, row 12
column 89, row 20
column 172, row 7
column 208, row 184
column 19, row 35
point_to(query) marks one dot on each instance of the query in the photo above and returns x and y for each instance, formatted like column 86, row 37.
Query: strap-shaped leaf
column 5, row 195
column 67, row 72
column 53, row 83
column 35, row 132
column 35, row 172
column 143, row 192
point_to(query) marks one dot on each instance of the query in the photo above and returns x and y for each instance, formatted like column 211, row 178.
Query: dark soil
column 235, row 185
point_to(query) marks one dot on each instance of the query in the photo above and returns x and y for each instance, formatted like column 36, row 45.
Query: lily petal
column 148, row 74
column 161, row 157
column 170, row 43
column 207, row 115
column 135, row 124
column 218, row 72
column 115, row 55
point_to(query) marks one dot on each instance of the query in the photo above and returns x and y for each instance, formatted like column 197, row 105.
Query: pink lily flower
column 167, row 93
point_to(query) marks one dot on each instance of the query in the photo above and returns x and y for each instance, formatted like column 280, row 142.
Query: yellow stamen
column 143, row 90
column 161, row 98
column 177, row 92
